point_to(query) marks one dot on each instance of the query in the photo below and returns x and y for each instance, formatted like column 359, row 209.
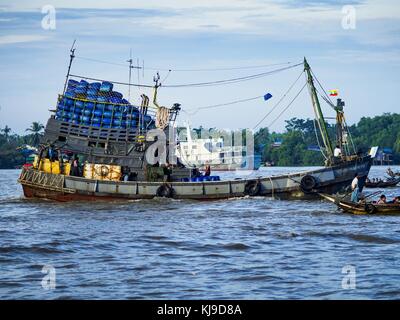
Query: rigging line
column 318, row 142
column 315, row 128
column 190, row 70
column 280, row 100
column 102, row 61
column 166, row 77
column 115, row 82
column 326, row 100
column 213, row 83
column 351, row 137
column 228, row 68
column 220, row 105
column 323, row 90
column 288, row 106
column 233, row 80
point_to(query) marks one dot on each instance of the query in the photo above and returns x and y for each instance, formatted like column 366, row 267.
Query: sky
column 351, row 45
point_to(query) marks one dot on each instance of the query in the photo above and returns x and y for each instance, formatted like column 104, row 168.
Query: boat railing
column 106, row 134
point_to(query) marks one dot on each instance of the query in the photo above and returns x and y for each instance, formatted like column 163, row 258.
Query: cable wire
column 280, row 100
column 220, row 105
column 233, row 80
column 288, row 106
column 189, row 70
column 201, row 84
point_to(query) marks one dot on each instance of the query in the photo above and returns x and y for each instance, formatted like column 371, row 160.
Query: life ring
column 165, row 191
column 370, row 208
column 252, row 188
column 103, row 171
column 308, row 183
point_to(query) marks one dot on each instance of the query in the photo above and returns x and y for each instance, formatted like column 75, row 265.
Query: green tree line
column 10, row 156
column 382, row 131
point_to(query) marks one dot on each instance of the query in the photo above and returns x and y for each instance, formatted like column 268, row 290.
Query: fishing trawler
column 98, row 146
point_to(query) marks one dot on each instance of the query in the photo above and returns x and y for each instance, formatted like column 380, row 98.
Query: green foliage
column 383, row 131
column 36, row 129
column 10, row 157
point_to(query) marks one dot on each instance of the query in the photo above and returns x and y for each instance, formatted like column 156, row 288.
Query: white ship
column 220, row 155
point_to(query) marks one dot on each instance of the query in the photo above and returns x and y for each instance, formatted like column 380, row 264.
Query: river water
column 248, row 248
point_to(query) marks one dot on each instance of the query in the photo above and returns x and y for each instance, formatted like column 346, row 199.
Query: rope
column 233, row 80
column 316, row 131
column 222, row 105
column 323, row 90
column 288, row 106
column 228, row 68
column 278, row 103
column 272, row 187
column 318, row 142
column 187, row 70
column 201, row 84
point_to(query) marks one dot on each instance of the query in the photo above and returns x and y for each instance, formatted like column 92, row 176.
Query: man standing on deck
column 337, row 153
column 355, row 188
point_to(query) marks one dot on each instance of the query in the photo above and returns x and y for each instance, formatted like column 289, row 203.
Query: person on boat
column 390, row 172
column 207, row 173
column 51, row 153
column 195, row 172
column 396, row 200
column 75, row 166
column 337, row 153
column 355, row 188
column 125, row 174
column 382, row 199
column 167, row 172
column 132, row 176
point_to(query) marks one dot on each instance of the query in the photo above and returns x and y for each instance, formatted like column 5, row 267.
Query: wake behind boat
column 95, row 125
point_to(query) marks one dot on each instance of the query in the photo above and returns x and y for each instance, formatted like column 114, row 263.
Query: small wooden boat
column 362, row 208
column 392, row 182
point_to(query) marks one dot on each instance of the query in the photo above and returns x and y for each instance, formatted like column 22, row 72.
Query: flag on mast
column 267, row 96
column 334, row 93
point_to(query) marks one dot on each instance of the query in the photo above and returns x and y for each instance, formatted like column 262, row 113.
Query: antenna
column 71, row 56
column 130, row 74
column 138, row 73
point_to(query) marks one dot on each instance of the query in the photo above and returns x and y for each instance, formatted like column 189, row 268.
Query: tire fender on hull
column 252, row 188
column 370, row 208
column 308, row 183
column 165, row 191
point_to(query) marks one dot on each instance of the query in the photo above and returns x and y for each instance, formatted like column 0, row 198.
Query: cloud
column 21, row 38
column 321, row 3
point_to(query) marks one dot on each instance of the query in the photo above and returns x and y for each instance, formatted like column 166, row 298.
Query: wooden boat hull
column 37, row 184
column 358, row 208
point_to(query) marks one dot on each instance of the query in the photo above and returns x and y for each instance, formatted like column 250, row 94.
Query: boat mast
column 157, row 84
column 72, row 56
column 317, row 110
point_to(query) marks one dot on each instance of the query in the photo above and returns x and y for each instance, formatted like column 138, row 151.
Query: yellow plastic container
column 51, row 167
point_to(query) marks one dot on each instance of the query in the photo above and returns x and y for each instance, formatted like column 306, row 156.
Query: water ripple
column 242, row 248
